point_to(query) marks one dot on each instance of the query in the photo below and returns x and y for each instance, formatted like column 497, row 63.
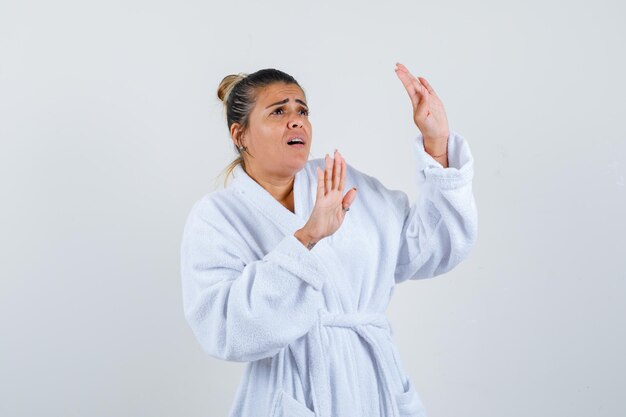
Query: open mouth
column 296, row 142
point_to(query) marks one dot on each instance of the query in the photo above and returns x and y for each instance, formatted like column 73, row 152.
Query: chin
column 296, row 165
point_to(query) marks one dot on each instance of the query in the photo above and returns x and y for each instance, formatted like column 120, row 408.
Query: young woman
column 285, row 270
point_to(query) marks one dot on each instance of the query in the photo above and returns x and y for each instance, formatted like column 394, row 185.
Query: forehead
column 279, row 91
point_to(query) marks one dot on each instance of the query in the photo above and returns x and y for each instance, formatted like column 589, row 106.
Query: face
column 280, row 114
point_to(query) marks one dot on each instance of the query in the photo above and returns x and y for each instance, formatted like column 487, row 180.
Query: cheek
column 266, row 139
column 271, row 142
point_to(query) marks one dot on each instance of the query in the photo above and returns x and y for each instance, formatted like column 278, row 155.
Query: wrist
column 436, row 147
column 442, row 159
column 306, row 238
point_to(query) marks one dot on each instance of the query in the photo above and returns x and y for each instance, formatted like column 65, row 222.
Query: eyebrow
column 285, row 101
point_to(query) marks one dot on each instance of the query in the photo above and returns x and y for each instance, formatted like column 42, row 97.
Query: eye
column 305, row 112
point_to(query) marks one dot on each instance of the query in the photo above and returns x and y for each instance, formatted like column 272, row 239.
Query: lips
column 296, row 136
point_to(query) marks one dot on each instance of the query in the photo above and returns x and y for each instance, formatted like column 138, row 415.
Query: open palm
column 328, row 212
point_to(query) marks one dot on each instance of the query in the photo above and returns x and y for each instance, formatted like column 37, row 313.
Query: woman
column 284, row 271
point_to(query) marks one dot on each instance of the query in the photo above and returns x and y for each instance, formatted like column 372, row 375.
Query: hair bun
column 227, row 84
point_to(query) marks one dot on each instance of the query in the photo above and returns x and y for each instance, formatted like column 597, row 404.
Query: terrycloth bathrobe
column 311, row 323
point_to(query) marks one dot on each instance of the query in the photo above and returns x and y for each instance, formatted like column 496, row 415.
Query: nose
column 295, row 122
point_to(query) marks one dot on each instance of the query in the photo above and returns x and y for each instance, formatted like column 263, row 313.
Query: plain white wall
column 111, row 129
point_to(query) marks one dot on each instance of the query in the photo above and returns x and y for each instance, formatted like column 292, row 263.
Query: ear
column 235, row 132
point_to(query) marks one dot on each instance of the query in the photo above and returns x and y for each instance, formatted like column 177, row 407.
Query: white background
column 110, row 129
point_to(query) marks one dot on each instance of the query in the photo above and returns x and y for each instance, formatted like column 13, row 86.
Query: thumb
column 349, row 198
column 423, row 105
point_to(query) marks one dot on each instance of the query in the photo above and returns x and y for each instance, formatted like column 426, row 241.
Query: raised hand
column 331, row 205
column 428, row 112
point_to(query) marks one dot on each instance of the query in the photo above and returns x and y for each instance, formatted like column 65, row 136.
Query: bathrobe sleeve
column 440, row 227
column 244, row 311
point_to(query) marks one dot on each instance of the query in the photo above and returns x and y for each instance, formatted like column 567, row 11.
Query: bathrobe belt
column 361, row 323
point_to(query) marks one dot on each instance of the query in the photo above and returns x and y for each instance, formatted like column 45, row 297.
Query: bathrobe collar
column 289, row 222
column 266, row 203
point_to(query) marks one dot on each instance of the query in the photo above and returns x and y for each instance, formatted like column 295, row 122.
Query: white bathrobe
column 311, row 323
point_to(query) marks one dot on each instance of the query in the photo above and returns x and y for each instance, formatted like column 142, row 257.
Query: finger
column 336, row 170
column 423, row 94
column 328, row 175
column 413, row 88
column 426, row 84
column 419, row 87
column 342, row 183
column 349, row 198
column 417, row 81
column 320, row 182
column 405, row 70
column 410, row 90
column 423, row 107
column 418, row 93
column 408, row 86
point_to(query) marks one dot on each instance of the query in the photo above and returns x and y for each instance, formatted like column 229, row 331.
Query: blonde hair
column 238, row 93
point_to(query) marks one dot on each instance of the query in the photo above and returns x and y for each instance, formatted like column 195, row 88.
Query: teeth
column 296, row 140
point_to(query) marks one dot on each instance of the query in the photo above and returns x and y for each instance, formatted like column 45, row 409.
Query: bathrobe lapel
column 260, row 198
column 288, row 222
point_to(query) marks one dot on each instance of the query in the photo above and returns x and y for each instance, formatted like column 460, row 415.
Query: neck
column 280, row 188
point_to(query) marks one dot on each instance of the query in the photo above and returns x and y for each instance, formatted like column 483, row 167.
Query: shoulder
column 212, row 208
column 214, row 226
column 213, row 200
